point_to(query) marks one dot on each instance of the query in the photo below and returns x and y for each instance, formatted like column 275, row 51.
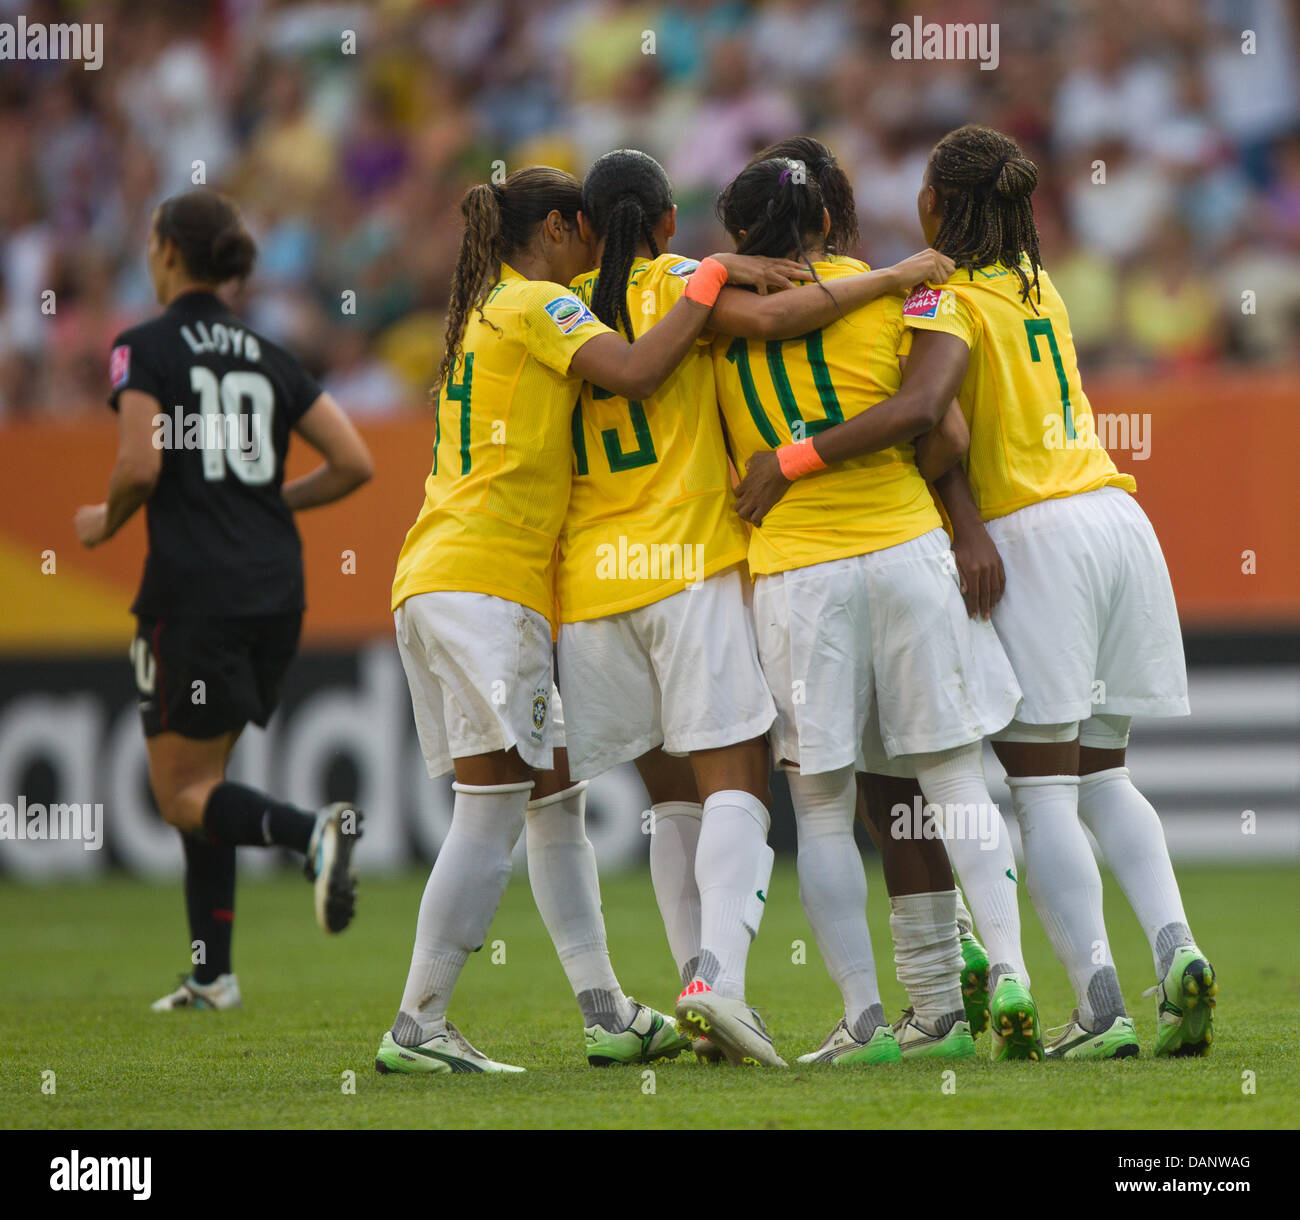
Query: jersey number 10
column 249, row 454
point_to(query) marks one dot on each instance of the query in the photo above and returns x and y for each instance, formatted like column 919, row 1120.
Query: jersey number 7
column 1043, row 326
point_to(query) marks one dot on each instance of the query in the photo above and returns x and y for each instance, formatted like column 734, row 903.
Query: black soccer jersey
column 222, row 541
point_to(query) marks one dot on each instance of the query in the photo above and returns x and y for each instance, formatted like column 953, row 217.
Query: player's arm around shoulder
column 347, row 463
column 135, row 472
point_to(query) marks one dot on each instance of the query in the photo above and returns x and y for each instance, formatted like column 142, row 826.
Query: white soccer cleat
column 731, row 1025
column 448, row 1051
column 222, row 992
column 329, row 865
column 707, row 1051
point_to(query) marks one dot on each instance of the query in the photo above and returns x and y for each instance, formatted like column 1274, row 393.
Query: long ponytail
column 498, row 221
column 624, row 195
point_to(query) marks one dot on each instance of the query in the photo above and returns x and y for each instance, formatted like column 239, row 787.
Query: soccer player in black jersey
column 205, row 409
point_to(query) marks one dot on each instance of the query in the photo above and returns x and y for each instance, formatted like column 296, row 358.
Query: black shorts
column 202, row 677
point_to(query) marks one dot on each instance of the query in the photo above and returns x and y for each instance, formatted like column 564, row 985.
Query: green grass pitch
column 80, row 965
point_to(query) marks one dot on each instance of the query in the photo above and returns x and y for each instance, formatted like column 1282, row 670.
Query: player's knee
column 182, row 804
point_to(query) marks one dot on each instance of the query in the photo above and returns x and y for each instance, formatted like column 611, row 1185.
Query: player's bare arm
column 940, row 449
column 139, row 462
column 931, row 380
column 979, row 566
column 347, row 463
column 637, row 370
column 788, row 315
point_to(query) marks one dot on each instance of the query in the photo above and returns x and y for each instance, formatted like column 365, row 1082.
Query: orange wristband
column 799, row 459
column 706, row 282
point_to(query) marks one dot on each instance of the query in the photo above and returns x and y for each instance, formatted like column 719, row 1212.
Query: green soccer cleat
column 917, row 1042
column 841, row 1047
column 449, row 1051
column 1013, row 1016
column 1072, row 1041
column 650, row 1037
column 1185, row 1005
column 975, row 983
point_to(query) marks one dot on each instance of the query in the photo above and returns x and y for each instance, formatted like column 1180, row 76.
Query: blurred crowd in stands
column 349, row 160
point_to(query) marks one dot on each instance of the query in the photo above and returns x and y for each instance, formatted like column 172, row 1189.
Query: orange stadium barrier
column 1218, row 481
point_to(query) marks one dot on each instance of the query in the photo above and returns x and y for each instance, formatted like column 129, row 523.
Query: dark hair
column 984, row 182
column 498, row 221
column 837, row 191
column 624, row 195
column 777, row 203
column 208, row 232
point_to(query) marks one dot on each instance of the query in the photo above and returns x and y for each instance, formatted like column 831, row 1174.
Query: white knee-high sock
column 463, row 892
column 1132, row 842
column 953, row 780
column 1065, row 886
column 927, row 953
column 965, row 920
column 733, row 865
column 833, row 891
column 672, row 872
column 566, row 888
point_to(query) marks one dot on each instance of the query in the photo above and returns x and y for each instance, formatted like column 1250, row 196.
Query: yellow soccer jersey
column 1033, row 435
column 495, row 499
column 773, row 393
column 651, row 508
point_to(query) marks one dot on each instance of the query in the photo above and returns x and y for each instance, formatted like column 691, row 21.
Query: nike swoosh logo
column 1012, row 876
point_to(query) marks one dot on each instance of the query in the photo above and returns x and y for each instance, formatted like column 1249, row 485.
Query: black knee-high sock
column 210, row 902
column 236, row 816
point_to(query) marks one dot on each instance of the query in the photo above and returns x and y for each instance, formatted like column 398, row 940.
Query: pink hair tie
column 799, row 459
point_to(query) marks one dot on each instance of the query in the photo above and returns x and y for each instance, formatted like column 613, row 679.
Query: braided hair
column 985, row 182
column 499, row 220
column 837, row 190
column 624, row 195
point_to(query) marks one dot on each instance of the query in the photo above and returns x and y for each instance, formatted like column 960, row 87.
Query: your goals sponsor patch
column 922, row 303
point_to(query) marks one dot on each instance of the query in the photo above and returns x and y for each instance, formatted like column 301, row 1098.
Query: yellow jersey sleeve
column 651, row 510
column 1033, row 433
column 555, row 324
column 774, row 392
column 940, row 309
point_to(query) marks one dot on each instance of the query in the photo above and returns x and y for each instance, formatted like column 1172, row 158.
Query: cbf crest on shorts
column 541, row 708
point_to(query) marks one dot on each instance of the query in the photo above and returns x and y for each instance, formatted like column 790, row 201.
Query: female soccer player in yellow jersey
column 923, row 897
column 657, row 644
column 1088, row 615
column 862, row 630
column 473, row 605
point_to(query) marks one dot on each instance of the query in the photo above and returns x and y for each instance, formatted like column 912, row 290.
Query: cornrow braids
column 837, row 190
column 624, row 195
column 499, row 220
column 985, row 183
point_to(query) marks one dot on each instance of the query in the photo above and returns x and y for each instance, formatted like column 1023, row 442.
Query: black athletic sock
column 236, row 816
column 210, row 903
